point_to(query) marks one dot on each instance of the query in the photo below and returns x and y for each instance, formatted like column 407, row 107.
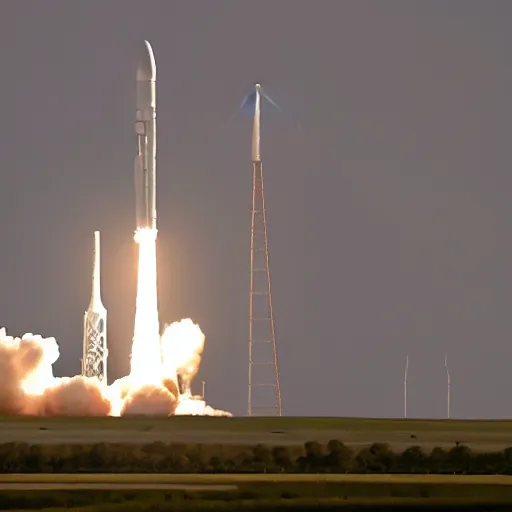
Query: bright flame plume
column 161, row 368
column 146, row 359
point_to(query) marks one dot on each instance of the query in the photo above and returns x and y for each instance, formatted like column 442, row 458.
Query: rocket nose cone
column 147, row 68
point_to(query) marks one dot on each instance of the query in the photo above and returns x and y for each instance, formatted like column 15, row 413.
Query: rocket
column 145, row 128
column 95, row 352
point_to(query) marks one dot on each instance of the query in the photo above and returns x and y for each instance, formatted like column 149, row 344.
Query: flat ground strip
column 355, row 432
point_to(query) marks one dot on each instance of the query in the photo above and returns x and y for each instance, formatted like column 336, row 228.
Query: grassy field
column 252, row 492
column 357, row 432
column 245, row 479
column 282, row 505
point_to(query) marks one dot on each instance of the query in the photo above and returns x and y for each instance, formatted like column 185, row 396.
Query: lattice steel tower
column 264, row 397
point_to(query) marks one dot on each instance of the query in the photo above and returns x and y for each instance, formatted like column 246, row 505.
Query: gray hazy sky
column 388, row 212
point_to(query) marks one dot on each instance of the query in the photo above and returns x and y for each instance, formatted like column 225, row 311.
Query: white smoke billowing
column 28, row 387
column 75, row 396
column 162, row 367
column 182, row 346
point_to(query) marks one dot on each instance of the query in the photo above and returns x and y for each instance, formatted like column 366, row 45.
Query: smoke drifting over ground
column 28, row 387
column 162, row 367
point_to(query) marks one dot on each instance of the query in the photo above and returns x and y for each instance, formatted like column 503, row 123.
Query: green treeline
column 313, row 457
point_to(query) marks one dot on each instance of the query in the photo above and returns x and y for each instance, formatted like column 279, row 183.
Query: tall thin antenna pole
column 264, row 393
column 405, row 385
column 448, row 384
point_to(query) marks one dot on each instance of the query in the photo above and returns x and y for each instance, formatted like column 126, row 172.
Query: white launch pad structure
column 95, row 352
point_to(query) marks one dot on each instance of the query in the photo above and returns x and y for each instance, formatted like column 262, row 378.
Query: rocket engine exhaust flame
column 162, row 367
column 146, row 357
column 28, row 386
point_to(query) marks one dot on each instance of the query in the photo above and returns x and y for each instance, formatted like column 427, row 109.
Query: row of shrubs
column 313, row 457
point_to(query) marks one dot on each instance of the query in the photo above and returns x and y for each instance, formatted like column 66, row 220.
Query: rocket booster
column 145, row 128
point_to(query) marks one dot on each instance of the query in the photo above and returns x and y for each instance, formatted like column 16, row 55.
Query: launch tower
column 95, row 353
column 264, row 397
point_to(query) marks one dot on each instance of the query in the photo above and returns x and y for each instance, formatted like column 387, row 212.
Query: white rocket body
column 145, row 128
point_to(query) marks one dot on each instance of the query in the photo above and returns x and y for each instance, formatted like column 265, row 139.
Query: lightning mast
column 95, row 352
column 264, row 396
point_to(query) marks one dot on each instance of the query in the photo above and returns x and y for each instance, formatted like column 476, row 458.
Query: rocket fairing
column 145, row 128
column 95, row 352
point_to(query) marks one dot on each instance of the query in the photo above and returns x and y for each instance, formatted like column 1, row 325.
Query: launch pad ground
column 356, row 432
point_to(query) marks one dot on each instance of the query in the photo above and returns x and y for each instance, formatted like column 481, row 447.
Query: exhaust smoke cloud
column 161, row 369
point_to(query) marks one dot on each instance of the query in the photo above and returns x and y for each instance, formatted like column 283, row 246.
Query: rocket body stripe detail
column 145, row 128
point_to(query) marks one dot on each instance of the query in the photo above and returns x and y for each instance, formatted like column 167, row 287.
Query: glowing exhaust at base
column 28, row 387
column 162, row 368
column 146, row 359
